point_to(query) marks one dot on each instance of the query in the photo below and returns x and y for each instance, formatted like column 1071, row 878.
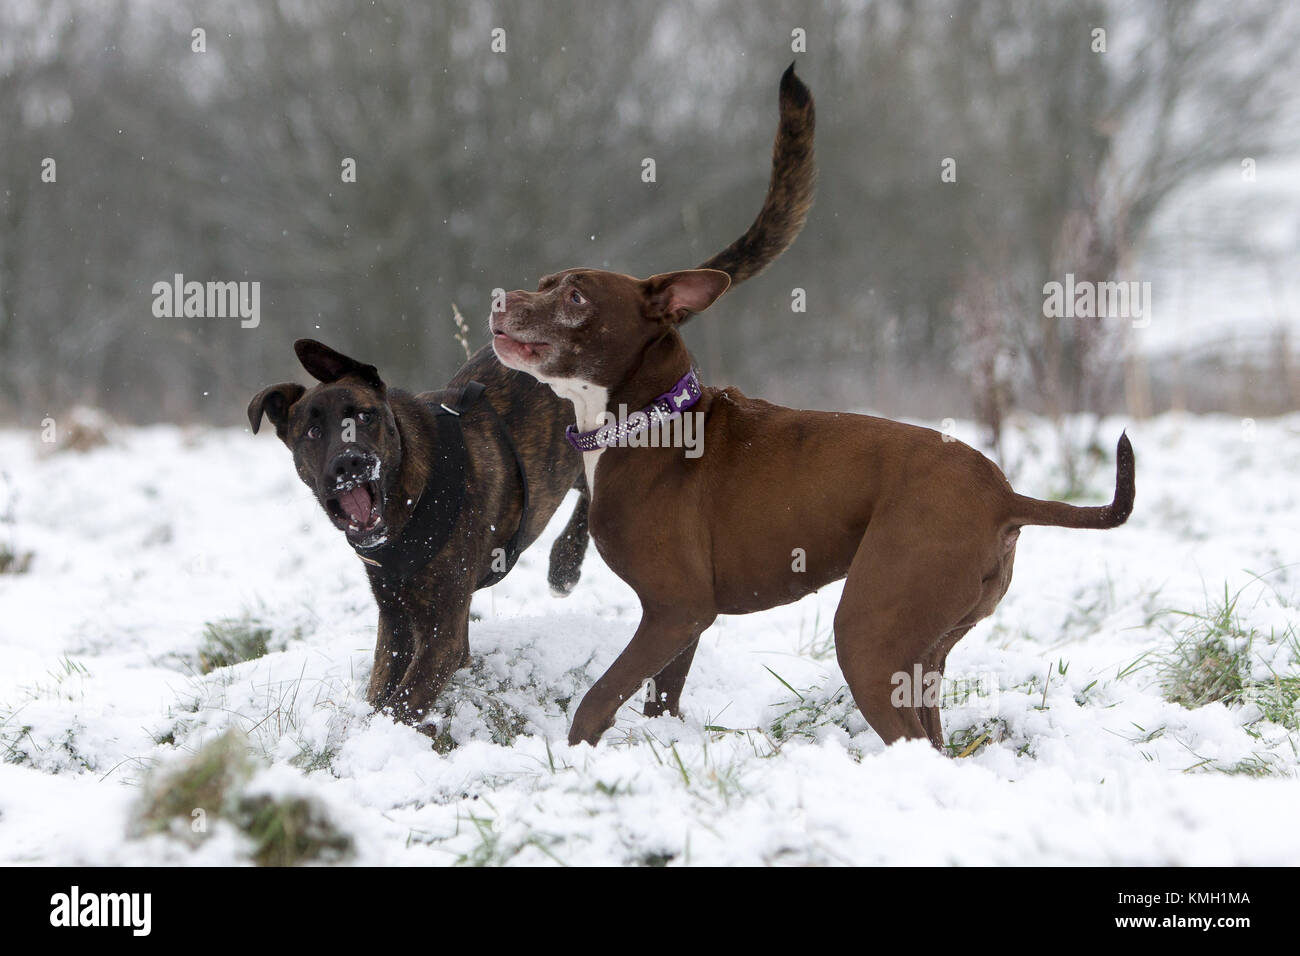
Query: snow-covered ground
column 138, row 545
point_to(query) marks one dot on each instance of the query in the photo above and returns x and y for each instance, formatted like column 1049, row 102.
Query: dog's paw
column 568, row 550
column 562, row 588
column 565, row 568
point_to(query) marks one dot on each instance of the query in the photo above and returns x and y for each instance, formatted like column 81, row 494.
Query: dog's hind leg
column 571, row 546
column 934, row 662
column 664, row 634
column 992, row 589
column 900, row 603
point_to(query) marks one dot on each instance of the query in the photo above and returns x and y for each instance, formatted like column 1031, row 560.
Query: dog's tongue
column 356, row 504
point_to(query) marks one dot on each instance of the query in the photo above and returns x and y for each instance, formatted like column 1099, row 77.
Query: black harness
column 443, row 497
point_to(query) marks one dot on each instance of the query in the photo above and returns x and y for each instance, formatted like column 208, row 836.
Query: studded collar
column 686, row 393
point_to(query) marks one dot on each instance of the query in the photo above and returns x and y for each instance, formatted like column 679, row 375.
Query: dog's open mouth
column 355, row 508
column 508, row 347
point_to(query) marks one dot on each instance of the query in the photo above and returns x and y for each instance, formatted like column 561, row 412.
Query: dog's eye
column 314, row 432
column 577, row 298
column 365, row 418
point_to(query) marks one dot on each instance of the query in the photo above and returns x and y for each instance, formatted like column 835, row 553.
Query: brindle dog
column 436, row 492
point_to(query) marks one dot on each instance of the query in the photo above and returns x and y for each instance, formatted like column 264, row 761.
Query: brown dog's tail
column 1061, row 515
column 789, row 192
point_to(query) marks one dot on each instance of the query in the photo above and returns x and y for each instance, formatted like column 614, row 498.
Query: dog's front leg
column 440, row 647
column 663, row 634
column 392, row 655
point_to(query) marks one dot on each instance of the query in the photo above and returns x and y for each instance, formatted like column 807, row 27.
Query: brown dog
column 780, row 503
column 437, row 493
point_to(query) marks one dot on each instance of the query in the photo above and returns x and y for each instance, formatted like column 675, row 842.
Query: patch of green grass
column 15, row 562
column 1256, row 765
column 12, row 732
column 1278, row 694
column 52, row 751
column 290, row 831
column 1217, row 656
column 815, row 708
column 811, row 710
column 233, row 641
column 212, row 785
column 180, row 719
column 284, row 719
column 1203, row 669
column 969, row 741
column 203, row 786
column 310, row 759
column 985, row 726
column 17, row 744
column 501, row 719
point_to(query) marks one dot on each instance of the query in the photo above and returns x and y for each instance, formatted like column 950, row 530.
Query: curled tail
column 1061, row 515
column 789, row 191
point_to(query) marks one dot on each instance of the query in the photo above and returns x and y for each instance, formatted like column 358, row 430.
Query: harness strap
column 434, row 516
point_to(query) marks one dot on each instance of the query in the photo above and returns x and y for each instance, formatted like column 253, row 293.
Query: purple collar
column 664, row 408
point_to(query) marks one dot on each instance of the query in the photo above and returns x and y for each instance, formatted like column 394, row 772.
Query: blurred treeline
column 478, row 169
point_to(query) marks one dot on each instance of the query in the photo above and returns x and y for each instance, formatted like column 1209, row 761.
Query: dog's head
column 591, row 326
column 344, row 438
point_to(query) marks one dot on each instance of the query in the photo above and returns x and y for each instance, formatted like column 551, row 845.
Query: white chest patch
column 589, row 404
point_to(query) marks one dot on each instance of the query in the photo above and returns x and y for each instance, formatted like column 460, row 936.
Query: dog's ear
column 274, row 401
column 676, row 296
column 327, row 365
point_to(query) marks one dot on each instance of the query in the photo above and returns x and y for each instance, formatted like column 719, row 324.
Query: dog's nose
column 349, row 464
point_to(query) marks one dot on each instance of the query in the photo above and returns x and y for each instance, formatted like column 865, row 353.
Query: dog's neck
column 589, row 402
column 663, row 363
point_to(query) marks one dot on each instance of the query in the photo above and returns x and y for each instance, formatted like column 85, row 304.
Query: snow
column 139, row 544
